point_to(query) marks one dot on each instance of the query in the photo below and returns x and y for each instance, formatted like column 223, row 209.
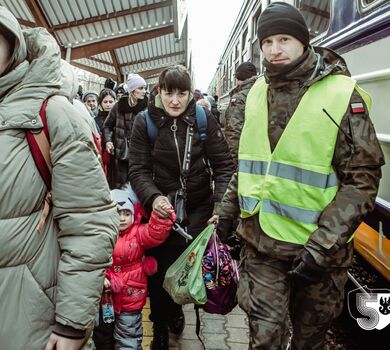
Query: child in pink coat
column 127, row 277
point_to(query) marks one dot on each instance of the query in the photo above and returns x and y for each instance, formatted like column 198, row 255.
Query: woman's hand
column 56, row 342
column 213, row 220
column 110, row 147
column 162, row 207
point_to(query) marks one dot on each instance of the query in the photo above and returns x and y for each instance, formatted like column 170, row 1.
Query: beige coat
column 53, row 277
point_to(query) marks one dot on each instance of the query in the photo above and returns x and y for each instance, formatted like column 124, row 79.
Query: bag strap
column 197, row 325
column 151, row 127
column 201, row 122
column 39, row 144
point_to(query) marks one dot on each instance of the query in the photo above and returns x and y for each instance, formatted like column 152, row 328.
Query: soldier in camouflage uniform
column 282, row 279
column 234, row 114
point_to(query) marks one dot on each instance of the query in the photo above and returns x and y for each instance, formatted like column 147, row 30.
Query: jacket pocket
column 28, row 312
column 40, row 307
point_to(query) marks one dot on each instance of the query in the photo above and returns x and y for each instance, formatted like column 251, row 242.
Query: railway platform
column 218, row 332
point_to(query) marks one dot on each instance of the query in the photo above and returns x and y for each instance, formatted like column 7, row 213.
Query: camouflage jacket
column 234, row 115
column 357, row 164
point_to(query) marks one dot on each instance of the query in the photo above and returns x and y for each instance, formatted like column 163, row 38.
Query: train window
column 316, row 14
column 368, row 5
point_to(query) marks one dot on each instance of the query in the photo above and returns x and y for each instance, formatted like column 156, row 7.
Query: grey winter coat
column 53, row 279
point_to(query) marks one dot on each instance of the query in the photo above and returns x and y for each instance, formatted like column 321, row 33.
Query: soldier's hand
column 225, row 228
column 235, row 246
column 305, row 270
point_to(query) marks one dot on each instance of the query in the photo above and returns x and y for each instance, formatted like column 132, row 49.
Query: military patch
column 233, row 102
column 357, row 107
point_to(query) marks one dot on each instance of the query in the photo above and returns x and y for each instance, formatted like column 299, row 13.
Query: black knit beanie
column 245, row 71
column 282, row 18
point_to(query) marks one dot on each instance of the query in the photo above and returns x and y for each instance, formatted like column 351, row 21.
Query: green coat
column 54, row 278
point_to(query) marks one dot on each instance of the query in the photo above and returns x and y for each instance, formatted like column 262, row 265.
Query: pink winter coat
column 127, row 276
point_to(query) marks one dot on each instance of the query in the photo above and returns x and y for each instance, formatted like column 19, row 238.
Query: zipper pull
column 174, row 126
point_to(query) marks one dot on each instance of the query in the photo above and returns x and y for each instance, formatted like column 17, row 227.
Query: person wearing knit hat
column 117, row 129
column 301, row 125
column 282, row 18
column 90, row 99
column 245, row 71
column 120, row 90
column 135, row 81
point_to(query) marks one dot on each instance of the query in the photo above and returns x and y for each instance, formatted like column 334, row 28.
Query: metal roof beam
column 152, row 72
column 153, row 58
column 26, row 23
column 100, row 61
column 117, row 14
column 116, row 65
column 89, row 50
column 38, row 14
column 93, row 70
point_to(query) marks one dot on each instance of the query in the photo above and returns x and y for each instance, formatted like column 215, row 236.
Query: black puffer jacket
column 155, row 170
column 120, row 121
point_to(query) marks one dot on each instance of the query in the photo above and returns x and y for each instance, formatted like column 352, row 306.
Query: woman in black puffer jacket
column 155, row 173
column 117, row 130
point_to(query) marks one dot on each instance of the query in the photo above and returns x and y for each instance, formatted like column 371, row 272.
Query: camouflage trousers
column 274, row 305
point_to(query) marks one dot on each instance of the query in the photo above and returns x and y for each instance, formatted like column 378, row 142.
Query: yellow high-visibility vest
column 290, row 187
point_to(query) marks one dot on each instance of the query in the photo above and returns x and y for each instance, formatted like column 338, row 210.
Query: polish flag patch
column 357, row 107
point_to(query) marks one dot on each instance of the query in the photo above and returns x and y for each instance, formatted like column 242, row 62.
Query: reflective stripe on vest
column 287, row 171
column 290, row 187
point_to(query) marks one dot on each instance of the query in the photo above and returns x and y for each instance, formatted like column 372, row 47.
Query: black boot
column 160, row 337
column 177, row 324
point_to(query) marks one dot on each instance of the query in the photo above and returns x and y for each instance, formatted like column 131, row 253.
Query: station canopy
column 112, row 38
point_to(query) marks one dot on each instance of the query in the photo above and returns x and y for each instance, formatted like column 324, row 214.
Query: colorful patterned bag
column 220, row 274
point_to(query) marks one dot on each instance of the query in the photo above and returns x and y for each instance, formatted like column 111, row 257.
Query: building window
column 244, row 40
column 255, row 59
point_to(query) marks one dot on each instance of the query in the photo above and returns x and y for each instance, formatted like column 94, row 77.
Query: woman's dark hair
column 175, row 77
column 104, row 93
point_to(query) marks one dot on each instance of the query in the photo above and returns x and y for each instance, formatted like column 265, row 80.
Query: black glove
column 235, row 246
column 225, row 232
column 225, row 229
column 305, row 270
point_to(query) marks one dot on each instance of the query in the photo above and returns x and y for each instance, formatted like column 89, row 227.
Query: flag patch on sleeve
column 357, row 107
column 233, row 102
